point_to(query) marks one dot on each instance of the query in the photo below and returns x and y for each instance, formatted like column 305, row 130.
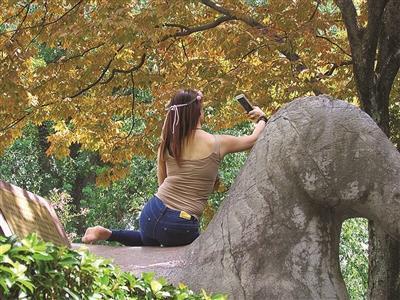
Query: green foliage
column 256, row 2
column 353, row 256
column 115, row 206
column 394, row 111
column 119, row 205
column 62, row 203
column 20, row 163
column 33, row 269
column 49, row 54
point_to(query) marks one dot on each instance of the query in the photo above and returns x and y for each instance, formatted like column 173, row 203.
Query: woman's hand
column 230, row 144
column 256, row 113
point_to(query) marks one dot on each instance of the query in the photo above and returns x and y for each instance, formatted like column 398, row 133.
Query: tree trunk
column 43, row 133
column 51, row 178
column 375, row 50
column 383, row 265
column 383, row 251
column 82, row 179
column 383, row 275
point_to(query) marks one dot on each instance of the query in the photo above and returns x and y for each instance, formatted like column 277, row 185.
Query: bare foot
column 97, row 233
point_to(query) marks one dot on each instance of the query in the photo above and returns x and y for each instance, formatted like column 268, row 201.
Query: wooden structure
column 22, row 212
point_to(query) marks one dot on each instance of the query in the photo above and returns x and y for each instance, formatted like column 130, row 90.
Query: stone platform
column 139, row 259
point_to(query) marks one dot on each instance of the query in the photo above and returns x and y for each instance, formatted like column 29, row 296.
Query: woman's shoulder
column 213, row 142
column 204, row 135
column 200, row 146
column 210, row 139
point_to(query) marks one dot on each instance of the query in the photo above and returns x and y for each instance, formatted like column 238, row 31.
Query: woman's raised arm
column 230, row 143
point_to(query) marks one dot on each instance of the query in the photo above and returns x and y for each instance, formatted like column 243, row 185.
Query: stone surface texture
column 276, row 235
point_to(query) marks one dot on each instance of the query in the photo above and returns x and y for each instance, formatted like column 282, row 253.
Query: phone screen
column 244, row 102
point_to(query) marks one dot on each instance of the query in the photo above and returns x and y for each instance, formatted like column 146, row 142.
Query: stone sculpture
column 276, row 235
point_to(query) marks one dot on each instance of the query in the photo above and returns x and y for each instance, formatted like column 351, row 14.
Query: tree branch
column 20, row 119
column 132, row 108
column 62, row 16
column 184, row 50
column 88, row 87
column 191, row 30
column 65, row 59
column 249, row 21
column 374, row 27
column 23, row 20
column 183, row 27
column 15, row 122
column 315, row 11
column 241, row 60
column 131, row 70
column 390, row 68
column 41, row 28
column 80, row 92
column 238, row 64
column 37, row 25
column 334, row 67
column 388, row 58
column 334, row 43
column 349, row 15
column 105, row 69
column 16, row 15
column 290, row 55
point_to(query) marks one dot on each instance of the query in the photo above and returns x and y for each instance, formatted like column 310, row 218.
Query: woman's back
column 189, row 183
column 200, row 146
column 188, row 161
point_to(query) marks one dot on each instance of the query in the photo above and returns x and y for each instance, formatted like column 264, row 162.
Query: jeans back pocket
column 177, row 234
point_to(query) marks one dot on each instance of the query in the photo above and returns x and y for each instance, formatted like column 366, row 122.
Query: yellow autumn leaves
column 69, row 62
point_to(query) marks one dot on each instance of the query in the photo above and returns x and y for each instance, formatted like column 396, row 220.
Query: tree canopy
column 103, row 71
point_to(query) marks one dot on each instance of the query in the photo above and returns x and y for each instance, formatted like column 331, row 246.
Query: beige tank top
column 188, row 186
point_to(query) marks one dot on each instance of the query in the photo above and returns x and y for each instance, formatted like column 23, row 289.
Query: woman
column 188, row 161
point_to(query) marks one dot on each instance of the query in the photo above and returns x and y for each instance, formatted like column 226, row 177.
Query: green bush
column 119, row 204
column 353, row 256
column 33, row 269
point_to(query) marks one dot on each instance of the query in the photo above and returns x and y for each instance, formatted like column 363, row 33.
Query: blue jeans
column 159, row 226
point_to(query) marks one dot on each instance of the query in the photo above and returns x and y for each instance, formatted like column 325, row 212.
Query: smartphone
column 244, row 102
